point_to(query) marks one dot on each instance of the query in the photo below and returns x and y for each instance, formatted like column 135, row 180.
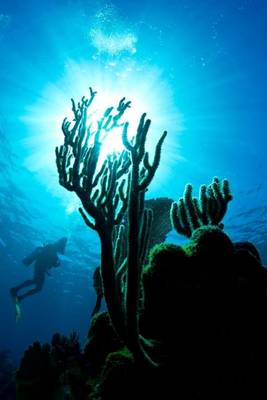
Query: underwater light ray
column 145, row 89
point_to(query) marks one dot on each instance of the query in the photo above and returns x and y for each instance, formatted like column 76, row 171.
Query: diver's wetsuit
column 45, row 258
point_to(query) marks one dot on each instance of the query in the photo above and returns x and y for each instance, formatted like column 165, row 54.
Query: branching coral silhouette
column 107, row 191
column 141, row 175
column 190, row 213
column 101, row 189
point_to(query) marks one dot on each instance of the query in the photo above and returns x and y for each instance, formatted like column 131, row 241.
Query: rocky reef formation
column 182, row 321
column 204, row 311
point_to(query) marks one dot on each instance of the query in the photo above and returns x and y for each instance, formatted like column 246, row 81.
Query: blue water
column 197, row 67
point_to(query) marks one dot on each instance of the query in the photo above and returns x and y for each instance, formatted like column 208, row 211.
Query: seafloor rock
column 38, row 377
column 204, row 314
column 117, row 377
column 101, row 341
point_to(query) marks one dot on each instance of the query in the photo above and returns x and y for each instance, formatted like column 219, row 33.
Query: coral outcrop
column 183, row 322
column 203, row 309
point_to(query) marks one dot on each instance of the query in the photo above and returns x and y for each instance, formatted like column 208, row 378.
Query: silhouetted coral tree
column 101, row 189
column 106, row 192
column 142, row 173
column 190, row 213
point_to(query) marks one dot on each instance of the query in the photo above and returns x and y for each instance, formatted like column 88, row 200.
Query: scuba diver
column 44, row 258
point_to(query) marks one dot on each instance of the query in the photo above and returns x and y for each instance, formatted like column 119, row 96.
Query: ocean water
column 198, row 68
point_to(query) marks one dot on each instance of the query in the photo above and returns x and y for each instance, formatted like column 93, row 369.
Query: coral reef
column 206, row 325
column 189, row 213
column 161, row 226
column 101, row 340
column 117, row 376
column 37, row 376
column 183, row 321
column 107, row 192
column 52, row 371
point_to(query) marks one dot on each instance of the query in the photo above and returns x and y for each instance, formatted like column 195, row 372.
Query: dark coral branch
column 97, row 188
column 105, row 200
column 151, row 169
column 140, row 178
column 86, row 219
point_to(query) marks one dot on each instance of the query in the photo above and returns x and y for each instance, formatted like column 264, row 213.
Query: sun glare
column 145, row 88
column 113, row 140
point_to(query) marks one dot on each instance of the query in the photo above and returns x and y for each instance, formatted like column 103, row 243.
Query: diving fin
column 18, row 309
column 16, row 301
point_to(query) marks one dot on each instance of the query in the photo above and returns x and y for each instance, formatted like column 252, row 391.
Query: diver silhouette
column 44, row 258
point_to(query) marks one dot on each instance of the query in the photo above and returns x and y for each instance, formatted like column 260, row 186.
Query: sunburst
column 144, row 87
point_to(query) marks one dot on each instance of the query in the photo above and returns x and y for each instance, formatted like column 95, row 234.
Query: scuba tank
column 32, row 257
